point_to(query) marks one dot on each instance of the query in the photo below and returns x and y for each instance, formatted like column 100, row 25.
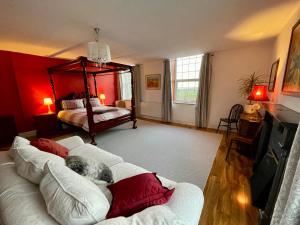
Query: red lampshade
column 259, row 93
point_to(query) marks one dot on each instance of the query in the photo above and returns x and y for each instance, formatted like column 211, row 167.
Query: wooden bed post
column 89, row 108
column 133, row 109
column 95, row 84
column 57, row 106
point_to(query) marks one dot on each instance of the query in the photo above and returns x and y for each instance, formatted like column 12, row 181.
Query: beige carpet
column 180, row 154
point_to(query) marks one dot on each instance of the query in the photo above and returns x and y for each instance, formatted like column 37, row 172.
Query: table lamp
column 259, row 93
column 102, row 98
column 48, row 102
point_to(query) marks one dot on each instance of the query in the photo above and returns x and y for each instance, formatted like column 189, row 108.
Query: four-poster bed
column 87, row 68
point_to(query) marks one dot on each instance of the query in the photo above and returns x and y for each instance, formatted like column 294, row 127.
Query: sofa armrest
column 71, row 142
column 187, row 202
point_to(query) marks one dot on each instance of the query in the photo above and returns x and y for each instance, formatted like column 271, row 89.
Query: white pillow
column 95, row 102
column 30, row 162
column 92, row 152
column 72, row 104
column 18, row 142
column 70, row 198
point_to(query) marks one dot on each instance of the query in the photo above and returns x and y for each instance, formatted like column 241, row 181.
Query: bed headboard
column 70, row 96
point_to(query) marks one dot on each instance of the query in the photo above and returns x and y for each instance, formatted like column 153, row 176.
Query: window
column 125, row 84
column 187, row 79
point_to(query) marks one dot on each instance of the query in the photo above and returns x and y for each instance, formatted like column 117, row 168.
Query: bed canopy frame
column 83, row 66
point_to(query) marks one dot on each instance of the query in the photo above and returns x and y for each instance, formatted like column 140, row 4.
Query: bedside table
column 8, row 130
column 46, row 124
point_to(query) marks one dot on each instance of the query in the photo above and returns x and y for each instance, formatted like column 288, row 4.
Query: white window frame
column 183, row 80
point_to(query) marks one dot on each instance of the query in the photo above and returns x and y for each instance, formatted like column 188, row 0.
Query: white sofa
column 21, row 202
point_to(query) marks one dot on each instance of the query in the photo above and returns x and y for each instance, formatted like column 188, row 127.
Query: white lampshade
column 104, row 51
column 98, row 52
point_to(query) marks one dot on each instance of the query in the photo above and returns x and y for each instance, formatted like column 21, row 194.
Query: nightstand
column 46, row 124
column 8, row 130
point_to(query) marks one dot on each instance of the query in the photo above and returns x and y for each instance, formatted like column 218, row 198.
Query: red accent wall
column 104, row 84
column 25, row 83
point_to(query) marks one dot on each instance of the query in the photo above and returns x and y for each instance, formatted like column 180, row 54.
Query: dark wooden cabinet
column 8, row 129
column 46, row 124
column 248, row 124
column 280, row 125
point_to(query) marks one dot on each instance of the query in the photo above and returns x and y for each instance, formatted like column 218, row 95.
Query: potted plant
column 245, row 87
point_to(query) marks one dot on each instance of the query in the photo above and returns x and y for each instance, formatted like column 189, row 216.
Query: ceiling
column 139, row 30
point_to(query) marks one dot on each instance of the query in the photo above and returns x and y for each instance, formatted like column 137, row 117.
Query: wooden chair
column 233, row 118
column 238, row 139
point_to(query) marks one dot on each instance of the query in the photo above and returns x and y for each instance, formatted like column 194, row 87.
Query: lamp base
column 249, row 109
column 49, row 110
column 253, row 108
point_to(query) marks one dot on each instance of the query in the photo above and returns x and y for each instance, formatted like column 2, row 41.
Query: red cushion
column 136, row 193
column 50, row 146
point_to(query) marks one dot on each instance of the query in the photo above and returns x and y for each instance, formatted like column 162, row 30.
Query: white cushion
column 72, row 104
column 30, row 162
column 18, row 142
column 89, row 151
column 186, row 201
column 71, row 142
column 70, row 198
column 125, row 170
column 95, row 102
column 155, row 215
column 21, row 202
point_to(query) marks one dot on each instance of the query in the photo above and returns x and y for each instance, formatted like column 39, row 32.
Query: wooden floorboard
column 227, row 191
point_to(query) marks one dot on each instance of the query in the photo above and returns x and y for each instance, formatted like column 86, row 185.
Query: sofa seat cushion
column 5, row 158
column 50, row 146
column 155, row 215
column 92, row 152
column 21, row 201
column 70, row 198
column 134, row 194
column 186, row 202
column 30, row 162
column 125, row 170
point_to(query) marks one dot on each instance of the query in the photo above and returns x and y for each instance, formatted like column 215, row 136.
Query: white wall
column 228, row 67
column 151, row 99
column 281, row 51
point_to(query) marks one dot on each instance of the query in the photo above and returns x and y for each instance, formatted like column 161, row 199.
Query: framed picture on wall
column 153, row 81
column 273, row 75
column 291, row 80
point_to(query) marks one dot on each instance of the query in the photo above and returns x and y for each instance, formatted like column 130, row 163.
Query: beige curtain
column 167, row 93
column 287, row 208
column 137, row 90
column 201, row 111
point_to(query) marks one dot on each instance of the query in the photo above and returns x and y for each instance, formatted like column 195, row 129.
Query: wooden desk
column 249, row 124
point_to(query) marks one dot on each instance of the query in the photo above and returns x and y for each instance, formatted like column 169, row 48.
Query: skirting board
column 185, row 123
column 158, row 120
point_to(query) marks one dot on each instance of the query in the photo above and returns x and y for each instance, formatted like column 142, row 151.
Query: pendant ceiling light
column 97, row 51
